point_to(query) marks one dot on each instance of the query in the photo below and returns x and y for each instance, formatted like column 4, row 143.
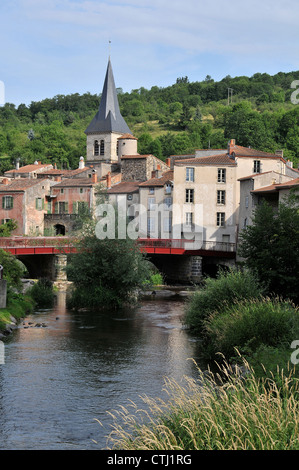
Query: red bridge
column 66, row 245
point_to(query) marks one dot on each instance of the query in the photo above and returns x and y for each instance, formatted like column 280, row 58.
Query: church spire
column 108, row 117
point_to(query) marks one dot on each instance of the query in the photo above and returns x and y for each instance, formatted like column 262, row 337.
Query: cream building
column 207, row 191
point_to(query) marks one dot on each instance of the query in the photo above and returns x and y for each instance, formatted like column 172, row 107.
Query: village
column 209, row 196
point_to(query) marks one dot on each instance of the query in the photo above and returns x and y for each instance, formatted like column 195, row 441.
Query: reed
column 226, row 410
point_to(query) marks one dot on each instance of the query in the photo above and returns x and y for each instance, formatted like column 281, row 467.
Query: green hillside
column 173, row 120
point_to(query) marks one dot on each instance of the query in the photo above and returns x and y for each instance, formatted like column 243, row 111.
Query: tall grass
column 223, row 411
column 217, row 294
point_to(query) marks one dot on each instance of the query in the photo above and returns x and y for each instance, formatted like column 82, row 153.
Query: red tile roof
column 30, row 168
column 277, row 187
column 222, row 159
column 128, row 136
column 165, row 178
column 73, row 182
column 20, row 184
column 124, row 187
column 240, row 151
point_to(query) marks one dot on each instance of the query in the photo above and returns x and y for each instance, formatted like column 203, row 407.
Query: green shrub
column 217, row 294
column 42, row 293
column 250, row 324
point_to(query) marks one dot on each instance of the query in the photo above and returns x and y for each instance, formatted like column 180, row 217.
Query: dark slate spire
column 108, row 117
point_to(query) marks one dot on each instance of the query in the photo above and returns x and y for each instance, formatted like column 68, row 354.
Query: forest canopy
column 173, row 120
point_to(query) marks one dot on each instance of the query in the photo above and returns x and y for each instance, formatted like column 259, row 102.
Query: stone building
column 106, row 128
column 25, row 200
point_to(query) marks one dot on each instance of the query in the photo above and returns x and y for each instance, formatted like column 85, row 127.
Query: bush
column 217, row 294
column 42, row 293
column 250, row 324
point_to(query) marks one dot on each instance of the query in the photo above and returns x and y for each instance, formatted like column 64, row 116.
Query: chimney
column 5, row 181
column 94, row 177
column 57, row 178
column 231, row 145
column 81, row 163
column 108, row 178
column 290, row 164
column 168, row 162
column 279, row 153
column 17, row 164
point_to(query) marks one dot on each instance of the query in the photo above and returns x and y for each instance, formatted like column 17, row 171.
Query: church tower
column 107, row 126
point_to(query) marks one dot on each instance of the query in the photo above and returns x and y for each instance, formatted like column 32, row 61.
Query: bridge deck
column 58, row 245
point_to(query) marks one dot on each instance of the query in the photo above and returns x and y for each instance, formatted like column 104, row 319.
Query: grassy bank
column 18, row 306
column 223, row 411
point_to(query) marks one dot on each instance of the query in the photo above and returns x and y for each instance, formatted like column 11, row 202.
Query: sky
column 52, row 47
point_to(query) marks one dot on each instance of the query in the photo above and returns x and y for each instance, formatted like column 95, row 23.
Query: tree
column 270, row 246
column 105, row 272
column 12, row 269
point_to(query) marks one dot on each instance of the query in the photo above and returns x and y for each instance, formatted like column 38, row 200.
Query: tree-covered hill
column 173, row 120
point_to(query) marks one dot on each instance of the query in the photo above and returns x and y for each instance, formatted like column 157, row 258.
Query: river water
column 57, row 379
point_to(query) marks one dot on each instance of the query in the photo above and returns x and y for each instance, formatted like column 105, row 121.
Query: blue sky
column 51, row 47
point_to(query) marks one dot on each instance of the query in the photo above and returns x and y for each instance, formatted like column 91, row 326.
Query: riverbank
column 17, row 308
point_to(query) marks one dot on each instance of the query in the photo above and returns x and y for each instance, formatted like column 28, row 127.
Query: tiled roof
column 277, row 187
column 167, row 176
column 124, row 187
column 240, row 151
column 20, row 184
column 222, row 159
column 128, row 136
column 73, row 182
column 30, row 168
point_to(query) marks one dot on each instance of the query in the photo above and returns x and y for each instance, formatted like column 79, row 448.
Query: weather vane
column 109, row 48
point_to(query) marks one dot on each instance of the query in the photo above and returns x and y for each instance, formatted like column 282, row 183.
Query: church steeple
column 108, row 117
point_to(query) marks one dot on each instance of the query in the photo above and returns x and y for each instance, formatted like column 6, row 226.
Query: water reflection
column 58, row 378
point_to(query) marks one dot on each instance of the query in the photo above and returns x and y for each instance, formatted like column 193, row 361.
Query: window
column 189, row 195
column 167, row 224
column 189, row 174
column 189, row 218
column 150, row 224
column 168, row 188
column 245, row 222
column 61, row 191
column 168, row 203
column 221, row 175
column 220, row 197
column 256, row 166
column 39, row 203
column 246, row 202
column 220, row 219
column 151, row 202
column 81, row 190
column 7, row 202
column 96, row 147
column 151, row 190
column 63, row 207
column 102, row 148
column 129, row 197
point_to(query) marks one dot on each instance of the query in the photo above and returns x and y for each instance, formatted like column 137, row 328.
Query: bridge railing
column 187, row 244
column 27, row 242
column 69, row 242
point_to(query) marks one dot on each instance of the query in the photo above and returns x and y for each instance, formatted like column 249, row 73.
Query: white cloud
column 158, row 39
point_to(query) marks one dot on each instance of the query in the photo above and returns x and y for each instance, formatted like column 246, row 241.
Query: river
column 57, row 379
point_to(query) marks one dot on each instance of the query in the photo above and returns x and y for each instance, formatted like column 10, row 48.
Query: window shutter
column 66, row 208
column 3, row 202
column 56, row 209
column 75, row 208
